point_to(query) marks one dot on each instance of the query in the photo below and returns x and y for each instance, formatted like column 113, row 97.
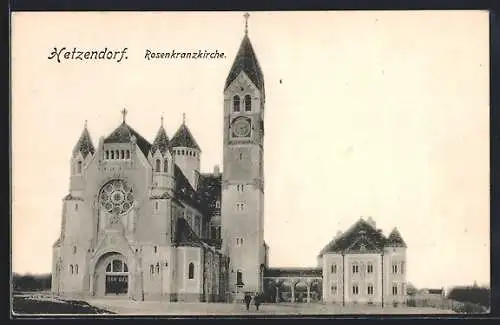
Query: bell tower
column 243, row 173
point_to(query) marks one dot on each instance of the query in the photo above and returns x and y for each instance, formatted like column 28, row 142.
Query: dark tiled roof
column 184, row 138
column 246, row 61
column 362, row 244
column 123, row 133
column 84, row 144
column 209, row 189
column 359, row 229
column 161, row 141
column 395, row 239
column 295, row 271
column 184, row 235
column 185, row 193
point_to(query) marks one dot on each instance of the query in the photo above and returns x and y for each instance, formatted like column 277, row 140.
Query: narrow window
column 108, row 268
column 107, row 154
column 370, row 289
column 241, row 156
column 117, row 154
column 191, row 271
column 218, row 233
column 236, row 103
column 79, row 168
column 76, row 206
column 355, row 289
column 128, row 154
column 71, row 268
column 156, row 249
column 355, row 268
column 157, row 267
column 333, row 289
column 76, row 269
column 182, row 152
column 165, row 166
column 402, row 267
column 239, row 277
column 158, row 163
column 394, row 268
column 112, row 155
column 122, row 154
column 248, row 103
column 156, row 206
column 369, row 268
column 125, row 267
column 152, row 269
column 334, row 268
column 394, row 289
column 213, row 233
column 74, row 249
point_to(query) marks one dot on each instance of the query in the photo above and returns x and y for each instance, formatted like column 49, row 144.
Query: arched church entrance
column 112, row 277
column 116, row 277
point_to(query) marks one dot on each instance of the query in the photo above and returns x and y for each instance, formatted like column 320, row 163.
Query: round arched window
column 116, row 197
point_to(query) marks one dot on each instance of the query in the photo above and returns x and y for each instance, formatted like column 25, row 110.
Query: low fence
column 446, row 304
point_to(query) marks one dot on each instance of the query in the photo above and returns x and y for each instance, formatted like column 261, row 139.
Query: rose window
column 116, row 197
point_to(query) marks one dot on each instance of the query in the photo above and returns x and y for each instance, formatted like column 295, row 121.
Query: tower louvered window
column 248, row 103
column 236, row 103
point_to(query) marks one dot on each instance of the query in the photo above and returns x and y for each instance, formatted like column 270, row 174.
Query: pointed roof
column 161, row 141
column 123, row 134
column 84, row 144
column 361, row 233
column 184, row 138
column 246, row 61
column 395, row 239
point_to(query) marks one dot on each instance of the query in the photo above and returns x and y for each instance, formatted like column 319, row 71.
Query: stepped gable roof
column 184, row 138
column 84, row 144
column 354, row 236
column 210, row 191
column 293, row 271
column 123, row 134
column 395, row 239
column 246, row 61
column 160, row 142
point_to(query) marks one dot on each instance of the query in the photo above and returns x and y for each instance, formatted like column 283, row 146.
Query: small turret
column 81, row 155
column 186, row 153
column 162, row 162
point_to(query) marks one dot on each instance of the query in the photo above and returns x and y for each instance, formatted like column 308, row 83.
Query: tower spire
column 161, row 119
column 124, row 113
column 85, row 124
column 183, row 118
column 246, row 15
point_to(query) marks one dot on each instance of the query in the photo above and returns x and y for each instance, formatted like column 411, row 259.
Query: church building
column 142, row 221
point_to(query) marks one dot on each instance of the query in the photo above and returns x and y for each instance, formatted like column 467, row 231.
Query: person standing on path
column 247, row 299
column 257, row 300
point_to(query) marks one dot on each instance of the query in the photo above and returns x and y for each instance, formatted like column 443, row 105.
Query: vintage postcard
column 260, row 163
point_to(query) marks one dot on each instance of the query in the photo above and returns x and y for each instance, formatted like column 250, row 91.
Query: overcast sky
column 381, row 114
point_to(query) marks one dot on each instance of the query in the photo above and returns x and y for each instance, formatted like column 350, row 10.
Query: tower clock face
column 241, row 127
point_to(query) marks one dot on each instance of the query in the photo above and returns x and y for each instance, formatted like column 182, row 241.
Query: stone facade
column 363, row 266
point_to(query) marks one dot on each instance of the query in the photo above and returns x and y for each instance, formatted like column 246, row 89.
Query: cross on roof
column 246, row 15
column 124, row 113
column 161, row 119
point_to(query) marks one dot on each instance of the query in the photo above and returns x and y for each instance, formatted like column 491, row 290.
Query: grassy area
column 24, row 304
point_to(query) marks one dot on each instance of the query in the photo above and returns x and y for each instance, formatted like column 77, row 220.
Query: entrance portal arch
column 111, row 275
